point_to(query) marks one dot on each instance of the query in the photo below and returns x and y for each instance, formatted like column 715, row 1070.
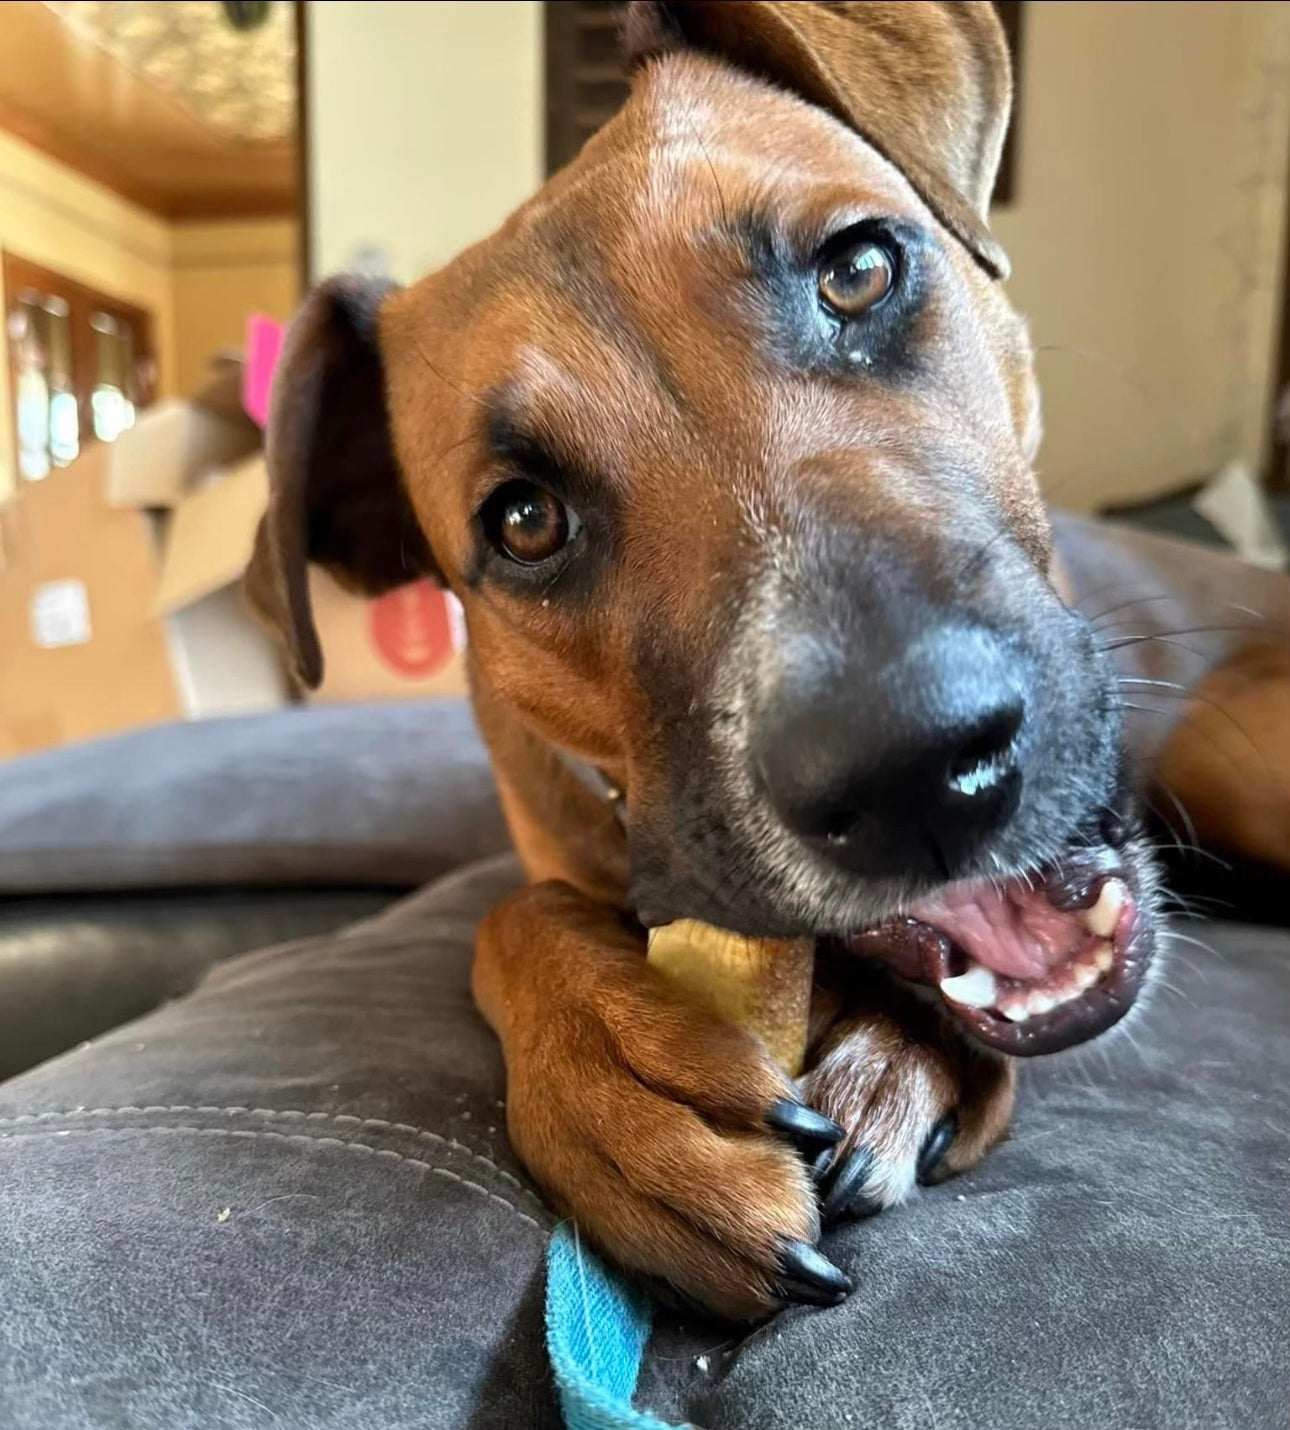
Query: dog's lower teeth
column 974, row 989
column 1102, row 918
column 1086, row 975
column 979, row 987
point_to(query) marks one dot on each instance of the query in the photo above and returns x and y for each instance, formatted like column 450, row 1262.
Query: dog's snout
column 905, row 767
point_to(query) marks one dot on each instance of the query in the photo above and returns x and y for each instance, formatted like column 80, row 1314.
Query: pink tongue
column 1017, row 933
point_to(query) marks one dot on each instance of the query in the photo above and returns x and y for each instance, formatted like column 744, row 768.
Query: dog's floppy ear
column 335, row 493
column 929, row 85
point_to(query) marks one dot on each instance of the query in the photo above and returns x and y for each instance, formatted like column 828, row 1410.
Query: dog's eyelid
column 896, row 234
column 517, row 447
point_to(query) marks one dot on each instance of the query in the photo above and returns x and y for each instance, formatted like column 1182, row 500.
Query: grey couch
column 283, row 1196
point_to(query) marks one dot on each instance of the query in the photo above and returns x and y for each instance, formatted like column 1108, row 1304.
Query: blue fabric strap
column 597, row 1325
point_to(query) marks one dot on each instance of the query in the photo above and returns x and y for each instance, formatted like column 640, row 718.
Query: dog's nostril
column 987, row 759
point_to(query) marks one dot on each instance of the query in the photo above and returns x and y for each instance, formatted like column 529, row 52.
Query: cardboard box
column 176, row 459
column 105, row 623
column 84, row 653
column 407, row 643
column 175, row 445
column 121, row 601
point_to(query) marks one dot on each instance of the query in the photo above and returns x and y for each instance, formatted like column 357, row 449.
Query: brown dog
column 724, row 440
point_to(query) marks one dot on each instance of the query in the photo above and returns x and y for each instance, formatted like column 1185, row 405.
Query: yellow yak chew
column 763, row 984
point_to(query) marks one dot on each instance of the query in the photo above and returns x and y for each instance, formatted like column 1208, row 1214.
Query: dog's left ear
column 336, row 495
column 929, row 85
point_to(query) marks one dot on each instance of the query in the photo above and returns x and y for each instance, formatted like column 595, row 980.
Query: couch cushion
column 74, row 965
column 317, row 795
column 288, row 1199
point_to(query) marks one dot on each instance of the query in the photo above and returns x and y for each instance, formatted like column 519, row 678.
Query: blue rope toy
column 597, row 1325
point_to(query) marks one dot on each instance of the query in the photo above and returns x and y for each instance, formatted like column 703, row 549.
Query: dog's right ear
column 336, row 496
column 928, row 84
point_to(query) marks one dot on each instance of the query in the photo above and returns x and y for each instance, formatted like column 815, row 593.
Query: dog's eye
column 855, row 278
column 527, row 524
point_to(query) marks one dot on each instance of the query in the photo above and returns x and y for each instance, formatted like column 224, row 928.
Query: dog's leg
column 1228, row 761
column 919, row 1101
column 667, row 1135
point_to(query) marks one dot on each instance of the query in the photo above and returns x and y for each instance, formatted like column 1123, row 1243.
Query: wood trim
column 571, row 115
column 304, row 198
column 1012, row 17
column 1277, row 476
column 559, row 40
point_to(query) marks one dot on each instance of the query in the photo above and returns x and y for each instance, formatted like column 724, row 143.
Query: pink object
column 263, row 347
column 411, row 629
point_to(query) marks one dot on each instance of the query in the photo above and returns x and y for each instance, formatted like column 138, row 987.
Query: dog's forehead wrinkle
column 691, row 99
column 584, row 401
column 799, row 164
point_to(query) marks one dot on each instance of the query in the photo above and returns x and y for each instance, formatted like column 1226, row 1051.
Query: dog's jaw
column 1034, row 965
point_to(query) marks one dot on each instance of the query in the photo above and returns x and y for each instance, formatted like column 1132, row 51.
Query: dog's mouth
column 1034, row 964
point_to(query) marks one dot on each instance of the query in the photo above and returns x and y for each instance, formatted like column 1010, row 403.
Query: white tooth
column 1104, row 957
column 974, row 989
column 1016, row 1012
column 1039, row 1003
column 1085, row 976
column 1102, row 918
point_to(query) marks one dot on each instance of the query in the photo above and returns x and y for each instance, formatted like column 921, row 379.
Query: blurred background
column 172, row 170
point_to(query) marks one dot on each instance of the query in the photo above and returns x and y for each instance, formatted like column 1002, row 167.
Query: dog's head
column 724, row 440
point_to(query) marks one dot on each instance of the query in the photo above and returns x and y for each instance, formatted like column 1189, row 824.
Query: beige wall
column 58, row 219
column 424, row 125
column 221, row 273
column 1146, row 236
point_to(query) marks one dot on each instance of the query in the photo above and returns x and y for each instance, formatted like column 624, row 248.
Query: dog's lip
column 924, row 954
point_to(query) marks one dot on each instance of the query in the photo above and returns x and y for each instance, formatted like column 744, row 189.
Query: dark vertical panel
column 304, row 201
column 586, row 82
column 1011, row 16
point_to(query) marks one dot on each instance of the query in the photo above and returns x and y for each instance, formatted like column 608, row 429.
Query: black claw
column 843, row 1190
column 809, row 1131
column 801, row 1294
column 823, row 1165
column 936, row 1146
column 806, row 1275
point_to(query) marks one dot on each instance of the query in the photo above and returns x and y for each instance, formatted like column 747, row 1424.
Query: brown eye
column 857, row 278
column 528, row 524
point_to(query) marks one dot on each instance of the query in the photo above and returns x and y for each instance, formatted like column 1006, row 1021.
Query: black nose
column 909, row 767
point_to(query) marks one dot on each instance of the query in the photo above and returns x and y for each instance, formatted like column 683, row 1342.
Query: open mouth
column 1034, row 964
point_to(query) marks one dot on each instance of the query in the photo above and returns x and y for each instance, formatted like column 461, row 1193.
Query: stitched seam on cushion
column 95, row 851
column 386, row 1153
column 339, row 1118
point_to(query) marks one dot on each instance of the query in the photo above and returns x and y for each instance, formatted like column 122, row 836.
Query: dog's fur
column 633, row 338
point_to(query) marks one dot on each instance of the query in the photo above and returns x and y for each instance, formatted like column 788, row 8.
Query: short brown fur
column 641, row 1117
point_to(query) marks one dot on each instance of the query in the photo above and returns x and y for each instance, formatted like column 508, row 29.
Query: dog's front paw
column 919, row 1102
column 675, row 1144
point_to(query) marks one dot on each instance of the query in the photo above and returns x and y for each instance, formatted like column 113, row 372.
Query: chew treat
column 763, row 984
